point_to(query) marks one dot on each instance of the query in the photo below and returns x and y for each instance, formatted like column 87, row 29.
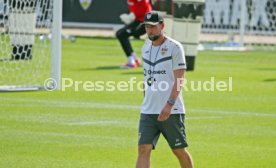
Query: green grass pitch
column 69, row 129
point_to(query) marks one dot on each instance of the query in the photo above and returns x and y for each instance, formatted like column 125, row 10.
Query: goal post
column 56, row 40
column 30, row 44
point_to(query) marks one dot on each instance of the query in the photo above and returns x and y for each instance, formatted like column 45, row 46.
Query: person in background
column 133, row 27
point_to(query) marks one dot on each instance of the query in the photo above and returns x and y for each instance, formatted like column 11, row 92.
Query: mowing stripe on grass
column 224, row 112
column 112, row 122
column 79, row 120
column 75, row 136
column 82, row 104
column 204, row 117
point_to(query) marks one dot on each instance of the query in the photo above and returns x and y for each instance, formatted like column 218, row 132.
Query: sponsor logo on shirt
column 157, row 72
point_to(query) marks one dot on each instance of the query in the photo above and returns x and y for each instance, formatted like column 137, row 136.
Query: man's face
column 154, row 31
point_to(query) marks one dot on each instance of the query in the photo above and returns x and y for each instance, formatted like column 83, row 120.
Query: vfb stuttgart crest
column 85, row 4
column 164, row 50
column 149, row 15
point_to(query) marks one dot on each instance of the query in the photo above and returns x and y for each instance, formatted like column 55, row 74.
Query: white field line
column 235, row 113
column 102, row 122
column 67, row 104
column 203, row 117
column 116, row 122
column 93, row 105
column 65, row 135
column 70, row 120
column 82, row 120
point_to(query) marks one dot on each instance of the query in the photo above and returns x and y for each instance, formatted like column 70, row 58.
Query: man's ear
column 163, row 25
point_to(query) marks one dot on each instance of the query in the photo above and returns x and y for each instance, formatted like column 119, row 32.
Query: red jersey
column 139, row 8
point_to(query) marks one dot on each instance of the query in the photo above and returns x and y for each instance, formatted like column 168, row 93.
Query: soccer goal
column 30, row 44
column 239, row 24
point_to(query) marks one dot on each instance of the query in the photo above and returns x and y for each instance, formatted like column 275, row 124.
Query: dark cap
column 153, row 18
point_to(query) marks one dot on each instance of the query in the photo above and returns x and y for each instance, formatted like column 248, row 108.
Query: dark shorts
column 172, row 129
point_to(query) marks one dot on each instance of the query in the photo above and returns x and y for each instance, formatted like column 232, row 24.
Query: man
column 163, row 109
column 133, row 27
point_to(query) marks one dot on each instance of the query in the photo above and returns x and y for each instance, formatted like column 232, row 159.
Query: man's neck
column 159, row 41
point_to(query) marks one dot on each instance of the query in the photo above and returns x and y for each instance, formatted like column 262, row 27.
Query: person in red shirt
column 133, row 27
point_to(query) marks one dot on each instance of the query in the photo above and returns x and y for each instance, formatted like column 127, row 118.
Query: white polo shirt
column 159, row 62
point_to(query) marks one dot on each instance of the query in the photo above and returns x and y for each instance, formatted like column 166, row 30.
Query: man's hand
column 165, row 113
column 127, row 18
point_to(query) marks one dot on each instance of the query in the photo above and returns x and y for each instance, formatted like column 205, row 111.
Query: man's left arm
column 178, row 81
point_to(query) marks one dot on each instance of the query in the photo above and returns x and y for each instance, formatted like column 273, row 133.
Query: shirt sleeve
column 178, row 58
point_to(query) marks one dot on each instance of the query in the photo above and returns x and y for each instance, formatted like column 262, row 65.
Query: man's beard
column 154, row 37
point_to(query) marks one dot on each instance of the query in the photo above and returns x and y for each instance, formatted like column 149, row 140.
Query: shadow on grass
column 108, row 68
column 132, row 73
column 270, row 80
column 266, row 69
column 102, row 68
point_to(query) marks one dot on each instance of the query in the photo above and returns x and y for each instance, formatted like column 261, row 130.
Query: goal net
column 239, row 24
column 29, row 43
